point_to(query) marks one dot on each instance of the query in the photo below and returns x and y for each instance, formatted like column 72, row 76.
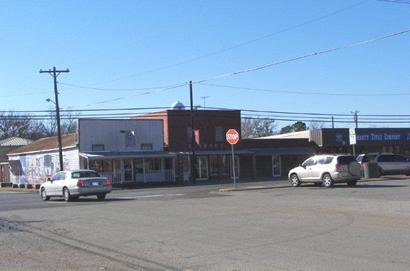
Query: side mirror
column 49, row 179
column 302, row 165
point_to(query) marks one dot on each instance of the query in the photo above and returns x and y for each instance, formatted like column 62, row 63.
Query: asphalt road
column 197, row 228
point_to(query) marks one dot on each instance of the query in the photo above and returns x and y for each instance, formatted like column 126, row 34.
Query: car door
column 58, row 187
column 386, row 163
column 401, row 162
column 307, row 169
column 51, row 187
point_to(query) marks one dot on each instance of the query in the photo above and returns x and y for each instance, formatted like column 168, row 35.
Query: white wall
column 113, row 133
column 35, row 168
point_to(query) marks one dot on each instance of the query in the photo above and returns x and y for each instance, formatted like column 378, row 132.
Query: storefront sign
column 379, row 137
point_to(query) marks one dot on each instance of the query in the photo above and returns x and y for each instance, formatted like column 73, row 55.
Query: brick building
column 253, row 157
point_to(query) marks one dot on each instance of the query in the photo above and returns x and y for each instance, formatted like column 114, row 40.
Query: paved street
column 198, row 228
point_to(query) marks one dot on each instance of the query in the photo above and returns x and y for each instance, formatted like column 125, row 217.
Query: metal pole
column 193, row 158
column 333, row 122
column 233, row 168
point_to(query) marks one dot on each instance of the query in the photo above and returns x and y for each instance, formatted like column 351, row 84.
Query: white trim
column 42, row 151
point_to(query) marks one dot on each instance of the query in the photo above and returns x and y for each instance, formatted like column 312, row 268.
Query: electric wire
column 217, row 52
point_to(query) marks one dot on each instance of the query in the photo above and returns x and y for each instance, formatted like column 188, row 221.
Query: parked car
column 326, row 170
column 389, row 163
column 73, row 184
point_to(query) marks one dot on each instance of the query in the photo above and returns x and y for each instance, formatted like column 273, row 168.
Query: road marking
column 151, row 196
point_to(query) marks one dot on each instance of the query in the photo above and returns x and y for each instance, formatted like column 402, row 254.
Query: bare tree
column 26, row 126
column 13, row 124
column 257, row 127
column 316, row 125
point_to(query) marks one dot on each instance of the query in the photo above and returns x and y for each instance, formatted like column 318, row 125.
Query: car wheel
column 66, row 193
column 43, row 195
column 101, row 196
column 351, row 183
column 294, row 180
column 327, row 180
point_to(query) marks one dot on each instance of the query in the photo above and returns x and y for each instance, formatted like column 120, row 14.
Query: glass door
column 276, row 165
column 127, row 169
column 202, row 168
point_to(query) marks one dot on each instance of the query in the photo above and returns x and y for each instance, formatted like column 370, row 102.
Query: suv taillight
column 108, row 181
column 80, row 183
column 338, row 166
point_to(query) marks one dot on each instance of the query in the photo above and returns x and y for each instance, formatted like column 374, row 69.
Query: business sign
column 352, row 136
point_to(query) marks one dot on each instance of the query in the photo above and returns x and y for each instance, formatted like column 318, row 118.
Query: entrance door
column 276, row 165
column 202, row 172
column 127, row 168
column 139, row 173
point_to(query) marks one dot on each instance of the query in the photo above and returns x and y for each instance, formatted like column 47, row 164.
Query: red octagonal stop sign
column 232, row 136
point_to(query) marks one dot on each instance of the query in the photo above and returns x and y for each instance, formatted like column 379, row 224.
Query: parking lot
column 198, row 228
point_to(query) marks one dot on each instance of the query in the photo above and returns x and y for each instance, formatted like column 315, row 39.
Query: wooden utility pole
column 55, row 73
column 193, row 142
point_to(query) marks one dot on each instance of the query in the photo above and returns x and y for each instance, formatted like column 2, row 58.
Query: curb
column 246, row 188
column 19, row 190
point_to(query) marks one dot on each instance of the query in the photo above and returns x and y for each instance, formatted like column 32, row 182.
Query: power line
column 118, row 89
column 351, row 45
column 217, row 52
column 396, row 1
column 361, row 94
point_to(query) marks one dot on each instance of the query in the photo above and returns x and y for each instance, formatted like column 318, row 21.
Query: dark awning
column 124, row 155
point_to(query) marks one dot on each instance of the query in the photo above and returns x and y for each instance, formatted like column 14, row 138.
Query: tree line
column 259, row 127
column 13, row 124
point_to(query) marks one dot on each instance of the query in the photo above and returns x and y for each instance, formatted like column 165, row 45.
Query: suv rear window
column 345, row 160
column 84, row 174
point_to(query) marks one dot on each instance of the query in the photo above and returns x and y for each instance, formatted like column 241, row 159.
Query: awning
column 217, row 152
column 285, row 151
column 125, row 155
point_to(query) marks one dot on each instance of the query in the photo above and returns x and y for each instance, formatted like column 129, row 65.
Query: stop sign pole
column 232, row 136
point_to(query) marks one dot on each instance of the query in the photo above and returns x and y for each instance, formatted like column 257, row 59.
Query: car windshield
column 84, row 174
column 345, row 160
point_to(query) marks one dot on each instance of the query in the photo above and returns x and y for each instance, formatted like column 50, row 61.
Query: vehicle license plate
column 95, row 183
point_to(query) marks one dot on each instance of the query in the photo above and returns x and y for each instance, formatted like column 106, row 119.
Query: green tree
column 295, row 127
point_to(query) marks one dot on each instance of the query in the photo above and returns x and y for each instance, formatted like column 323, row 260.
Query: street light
column 50, row 101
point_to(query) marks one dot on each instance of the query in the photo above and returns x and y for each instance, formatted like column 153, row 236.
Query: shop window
column 152, row 165
column 146, row 147
column 189, row 134
column 97, row 147
column 219, row 134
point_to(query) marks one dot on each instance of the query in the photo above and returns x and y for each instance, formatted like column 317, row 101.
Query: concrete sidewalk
column 285, row 183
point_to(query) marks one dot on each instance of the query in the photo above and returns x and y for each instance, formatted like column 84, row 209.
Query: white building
column 126, row 150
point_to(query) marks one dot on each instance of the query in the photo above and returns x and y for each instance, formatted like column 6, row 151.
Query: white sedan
column 72, row 184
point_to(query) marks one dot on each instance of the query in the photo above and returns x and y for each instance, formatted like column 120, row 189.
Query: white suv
column 326, row 170
column 389, row 163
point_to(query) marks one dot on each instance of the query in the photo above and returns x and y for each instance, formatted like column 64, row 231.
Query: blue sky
column 121, row 45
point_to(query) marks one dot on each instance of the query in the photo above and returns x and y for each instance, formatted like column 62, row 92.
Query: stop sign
column 232, row 136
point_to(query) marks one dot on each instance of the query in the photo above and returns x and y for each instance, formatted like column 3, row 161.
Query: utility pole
column 193, row 142
column 333, row 122
column 204, row 98
column 55, row 73
column 356, row 121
